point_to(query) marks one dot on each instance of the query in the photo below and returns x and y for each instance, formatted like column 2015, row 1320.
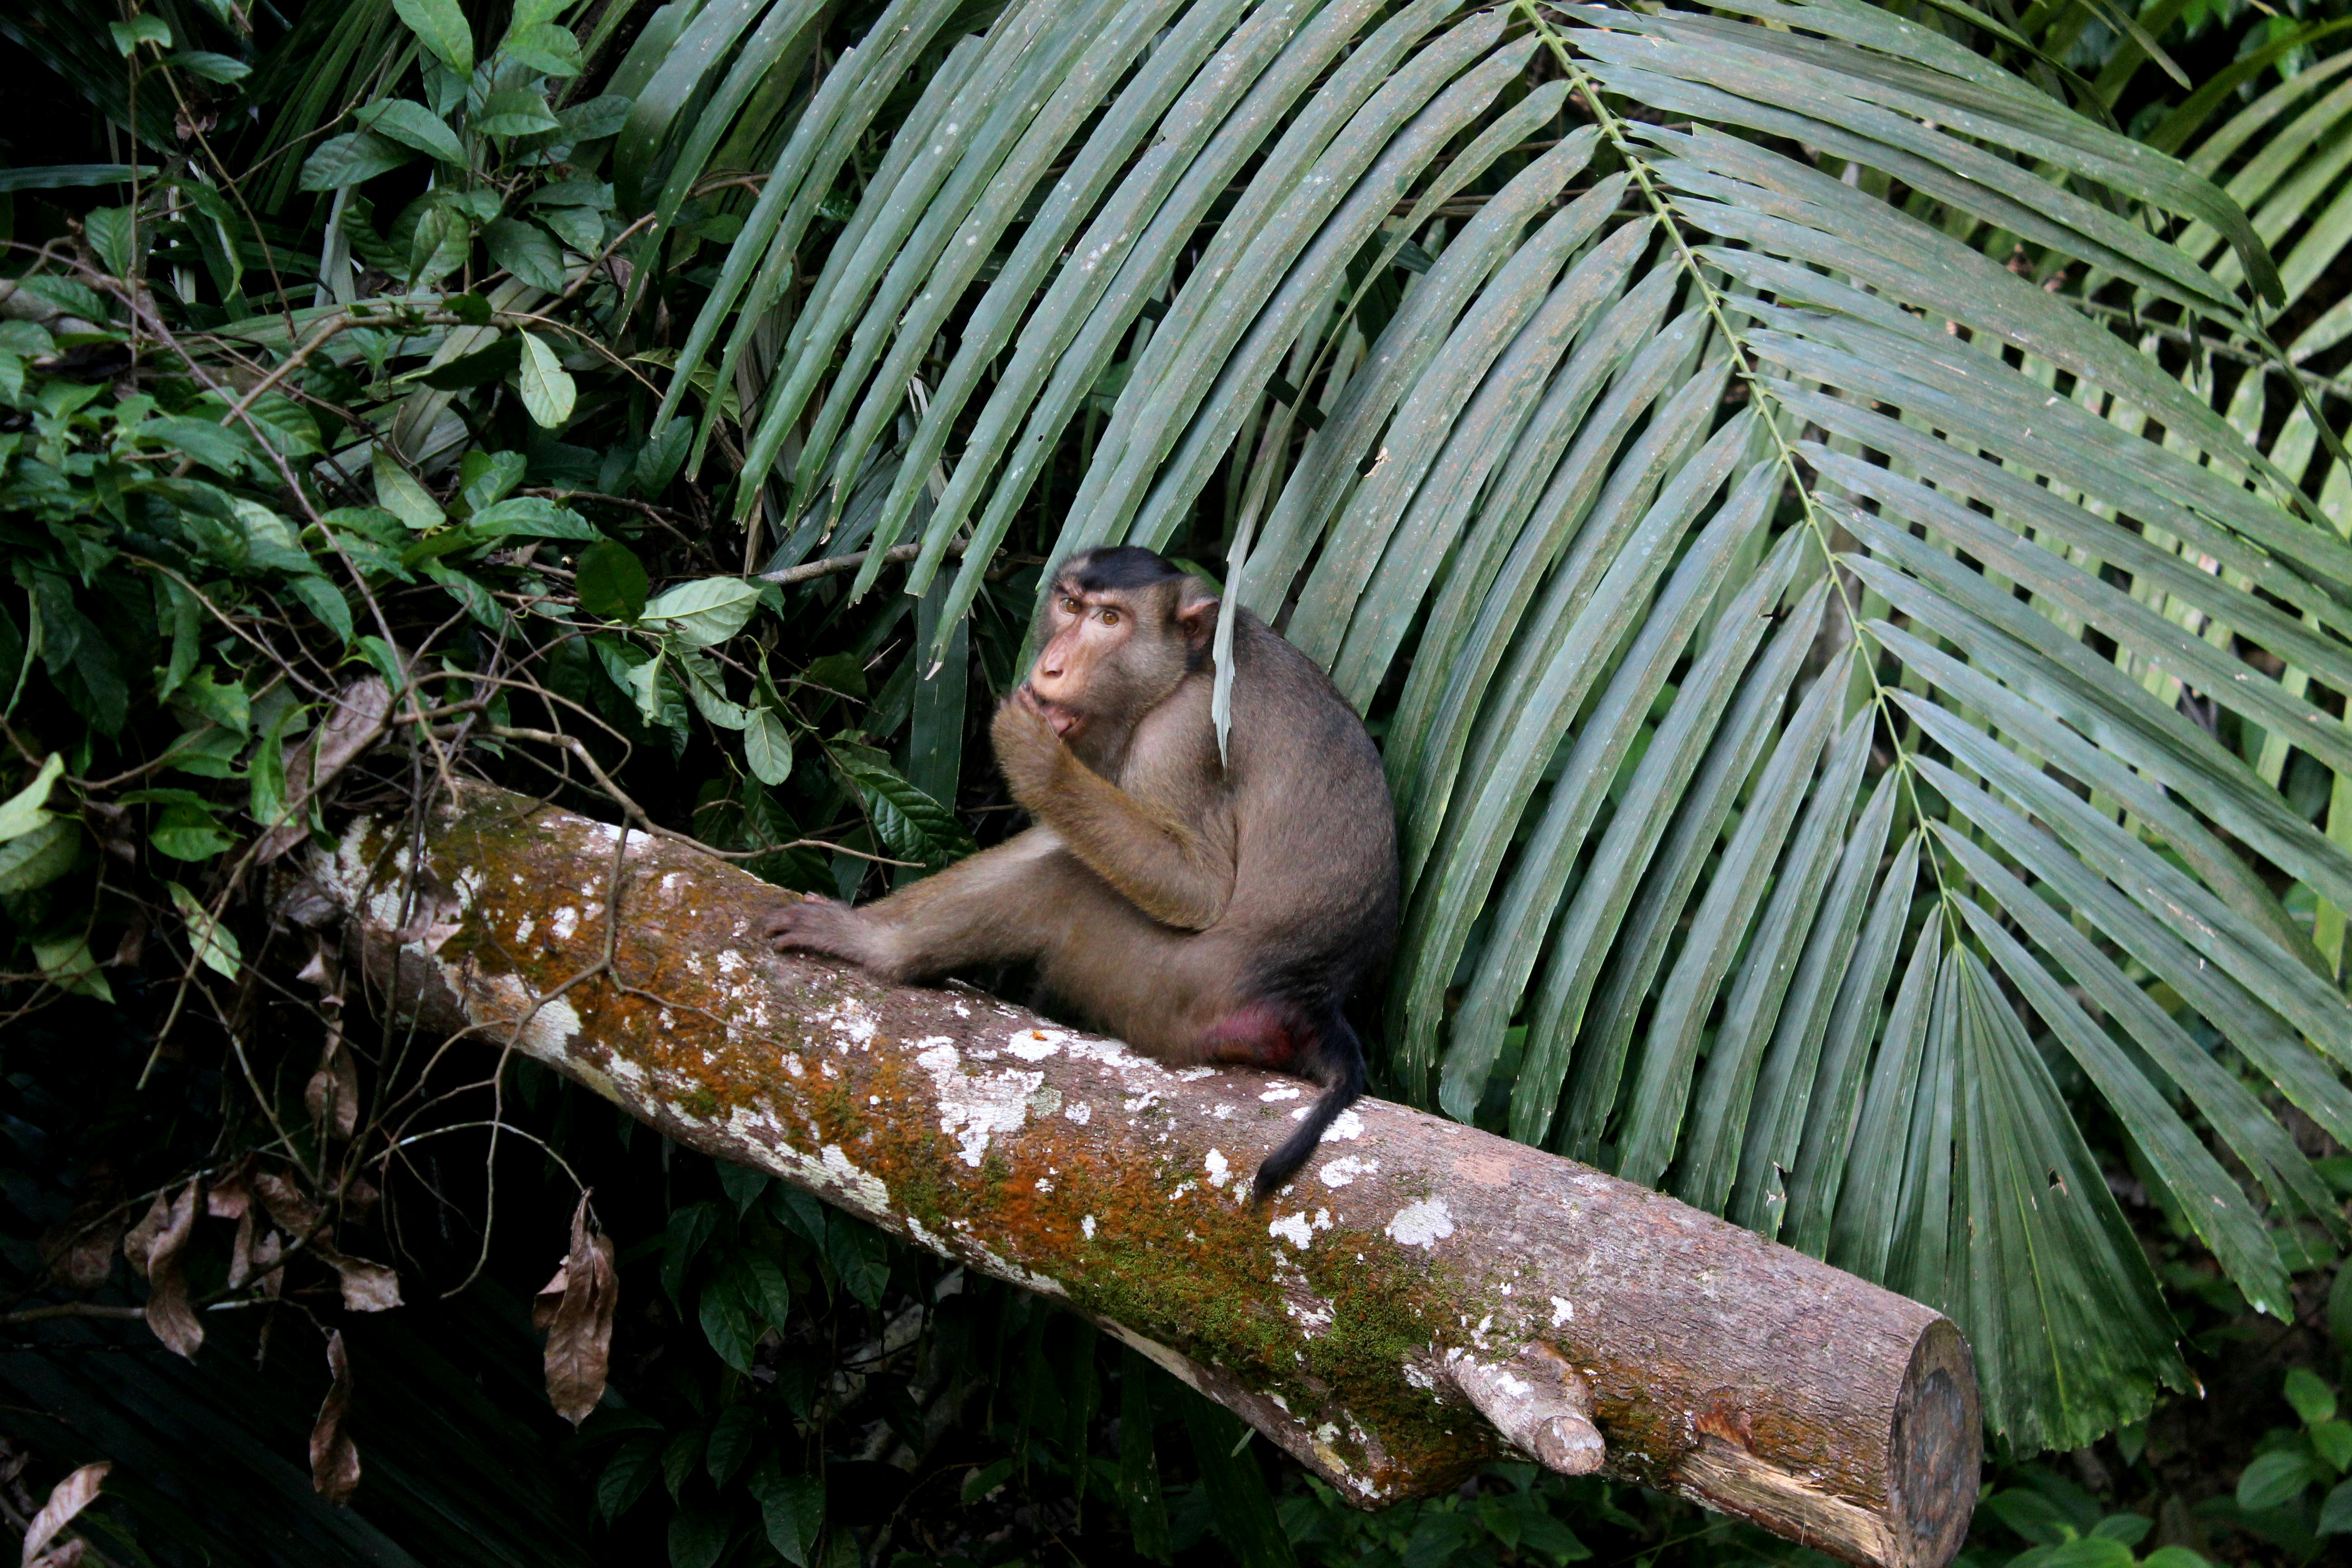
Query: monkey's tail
column 1340, row 1072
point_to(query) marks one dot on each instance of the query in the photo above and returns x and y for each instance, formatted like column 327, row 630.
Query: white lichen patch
column 1080, row 1111
column 1086, row 1227
column 729, row 961
column 1345, row 1127
column 860, row 1187
column 1346, row 1169
column 1563, row 1310
column 566, row 920
column 1035, row 1045
column 547, row 1030
column 1282, row 1091
column 1294, row 1228
column 993, row 1262
column 849, row 1019
column 1422, row 1223
column 793, row 1066
column 976, row 1106
column 523, row 930
column 1220, row 1172
column 1194, row 1074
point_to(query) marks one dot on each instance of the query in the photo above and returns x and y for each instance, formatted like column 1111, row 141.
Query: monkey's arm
column 1171, row 870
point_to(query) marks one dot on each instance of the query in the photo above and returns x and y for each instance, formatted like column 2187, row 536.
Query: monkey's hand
column 1029, row 749
column 818, row 925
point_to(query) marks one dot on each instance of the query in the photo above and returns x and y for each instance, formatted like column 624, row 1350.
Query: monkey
column 1203, row 909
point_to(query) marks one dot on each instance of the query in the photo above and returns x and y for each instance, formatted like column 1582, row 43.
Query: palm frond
column 1774, row 536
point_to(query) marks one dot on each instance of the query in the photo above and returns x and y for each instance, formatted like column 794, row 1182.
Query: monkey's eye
column 1069, row 606
column 1110, row 618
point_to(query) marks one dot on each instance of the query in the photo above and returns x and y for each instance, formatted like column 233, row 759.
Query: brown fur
column 1199, row 913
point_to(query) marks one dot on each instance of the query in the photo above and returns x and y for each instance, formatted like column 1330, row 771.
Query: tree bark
column 1424, row 1299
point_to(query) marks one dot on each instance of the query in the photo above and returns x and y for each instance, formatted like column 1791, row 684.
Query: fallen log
column 1424, row 1299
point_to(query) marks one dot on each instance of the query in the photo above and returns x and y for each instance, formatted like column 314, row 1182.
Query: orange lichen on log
column 1418, row 1284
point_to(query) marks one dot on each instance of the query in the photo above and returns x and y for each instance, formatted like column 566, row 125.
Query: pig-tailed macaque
column 1202, row 912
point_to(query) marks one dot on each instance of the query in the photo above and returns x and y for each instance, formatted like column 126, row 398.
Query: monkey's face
column 1111, row 655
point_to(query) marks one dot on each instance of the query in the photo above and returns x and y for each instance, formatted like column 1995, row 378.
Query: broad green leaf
column 611, row 581
column 2274, row 1480
column 216, row 945
column 527, row 251
column 22, row 812
column 768, row 747
column 704, row 613
column 40, row 856
column 514, row 112
column 187, row 832
column 914, row 826
column 112, row 231
column 2313, row 1400
column 441, row 27
column 399, row 493
column 548, row 392
column 128, row 36
column 227, row 69
column 66, row 962
column 533, row 517
column 351, row 158
column 543, row 46
column 412, row 125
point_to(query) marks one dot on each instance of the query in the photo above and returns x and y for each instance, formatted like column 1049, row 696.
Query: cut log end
column 1935, row 1450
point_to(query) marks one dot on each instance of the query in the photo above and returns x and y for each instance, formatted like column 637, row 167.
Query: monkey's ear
column 1196, row 612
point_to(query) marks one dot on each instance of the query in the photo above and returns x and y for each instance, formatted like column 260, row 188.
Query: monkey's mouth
column 1066, row 721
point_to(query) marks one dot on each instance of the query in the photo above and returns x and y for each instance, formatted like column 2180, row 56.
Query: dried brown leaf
column 334, row 1459
column 367, row 1286
column 580, row 1330
column 296, row 1215
column 228, row 1199
column 550, row 1296
column 66, row 1498
column 332, row 1095
column 168, row 1312
column 139, row 1240
column 263, row 1268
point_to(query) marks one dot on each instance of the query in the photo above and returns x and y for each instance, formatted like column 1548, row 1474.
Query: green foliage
column 1841, row 543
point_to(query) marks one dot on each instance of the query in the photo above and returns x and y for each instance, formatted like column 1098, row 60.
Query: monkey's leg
column 997, row 906
column 1173, row 872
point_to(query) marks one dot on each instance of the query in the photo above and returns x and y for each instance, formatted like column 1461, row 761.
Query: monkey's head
column 1122, row 628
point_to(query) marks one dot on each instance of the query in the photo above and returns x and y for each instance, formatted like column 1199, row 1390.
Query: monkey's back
column 1315, row 887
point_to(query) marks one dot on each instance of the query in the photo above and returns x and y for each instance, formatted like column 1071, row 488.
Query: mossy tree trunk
column 1424, row 1298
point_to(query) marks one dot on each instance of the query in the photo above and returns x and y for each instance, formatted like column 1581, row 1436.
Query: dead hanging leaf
column 139, row 1240
column 262, row 1267
column 334, row 1459
column 227, row 1199
column 550, row 1298
column 580, row 1327
column 168, row 1312
column 368, row 1286
column 332, row 1095
column 66, row 1498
